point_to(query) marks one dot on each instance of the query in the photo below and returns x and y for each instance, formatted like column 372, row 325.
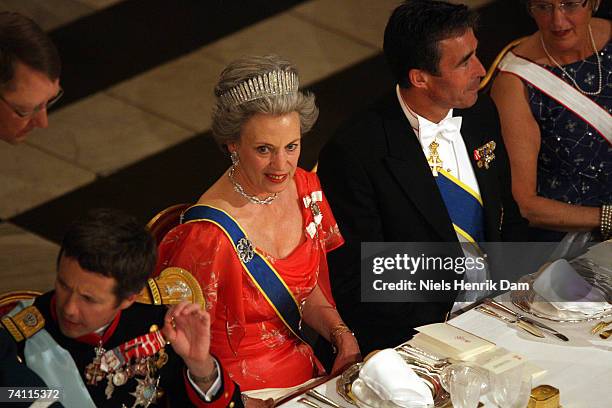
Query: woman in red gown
column 268, row 212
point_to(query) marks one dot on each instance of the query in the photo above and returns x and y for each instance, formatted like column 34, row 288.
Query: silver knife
column 526, row 326
column 519, row 316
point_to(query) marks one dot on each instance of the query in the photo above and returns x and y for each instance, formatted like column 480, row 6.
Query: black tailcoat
column 380, row 187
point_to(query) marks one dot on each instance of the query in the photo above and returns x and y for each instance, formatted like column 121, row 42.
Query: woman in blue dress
column 554, row 96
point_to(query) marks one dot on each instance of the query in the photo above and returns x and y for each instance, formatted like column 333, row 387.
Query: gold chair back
column 9, row 300
column 491, row 71
column 165, row 220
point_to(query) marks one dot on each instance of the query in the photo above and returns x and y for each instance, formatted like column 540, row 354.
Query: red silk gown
column 252, row 342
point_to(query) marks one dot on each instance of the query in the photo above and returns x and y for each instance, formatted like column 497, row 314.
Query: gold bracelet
column 605, row 222
column 209, row 378
column 337, row 330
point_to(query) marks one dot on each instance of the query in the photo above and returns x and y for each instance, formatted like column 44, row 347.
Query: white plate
column 530, row 302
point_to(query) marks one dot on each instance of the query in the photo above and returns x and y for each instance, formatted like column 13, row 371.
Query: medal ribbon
column 135, row 349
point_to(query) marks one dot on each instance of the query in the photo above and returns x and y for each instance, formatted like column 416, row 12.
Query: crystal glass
column 466, row 383
column 512, row 388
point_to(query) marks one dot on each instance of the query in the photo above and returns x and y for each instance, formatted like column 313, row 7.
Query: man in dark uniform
column 394, row 173
column 15, row 375
column 118, row 351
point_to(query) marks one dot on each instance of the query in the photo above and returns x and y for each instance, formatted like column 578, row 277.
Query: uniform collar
column 97, row 337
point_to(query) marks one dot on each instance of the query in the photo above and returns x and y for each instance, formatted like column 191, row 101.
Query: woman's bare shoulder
column 215, row 200
column 531, row 49
column 602, row 31
column 218, row 195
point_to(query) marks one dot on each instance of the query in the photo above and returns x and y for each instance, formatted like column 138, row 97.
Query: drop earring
column 234, row 158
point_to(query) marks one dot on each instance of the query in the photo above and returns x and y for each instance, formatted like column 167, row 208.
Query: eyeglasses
column 541, row 8
column 28, row 114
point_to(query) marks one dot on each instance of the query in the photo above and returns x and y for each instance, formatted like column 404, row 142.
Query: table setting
column 546, row 347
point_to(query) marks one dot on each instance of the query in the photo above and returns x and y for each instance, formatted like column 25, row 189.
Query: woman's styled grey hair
column 237, row 100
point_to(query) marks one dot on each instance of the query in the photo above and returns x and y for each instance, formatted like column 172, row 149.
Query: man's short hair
column 414, row 30
column 21, row 39
column 112, row 243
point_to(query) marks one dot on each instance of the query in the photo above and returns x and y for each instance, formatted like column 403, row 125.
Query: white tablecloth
column 581, row 368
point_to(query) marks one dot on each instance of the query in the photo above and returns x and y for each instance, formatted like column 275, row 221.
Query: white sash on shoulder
column 593, row 114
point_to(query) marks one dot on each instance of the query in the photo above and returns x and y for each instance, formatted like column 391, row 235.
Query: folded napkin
column 566, row 290
column 391, row 378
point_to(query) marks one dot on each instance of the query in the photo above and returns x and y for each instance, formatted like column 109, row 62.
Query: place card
column 499, row 360
column 450, row 341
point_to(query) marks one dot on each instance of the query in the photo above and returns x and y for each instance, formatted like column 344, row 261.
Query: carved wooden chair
column 165, row 220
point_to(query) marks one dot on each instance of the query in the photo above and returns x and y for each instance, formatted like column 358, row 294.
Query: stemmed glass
column 511, row 389
column 466, row 383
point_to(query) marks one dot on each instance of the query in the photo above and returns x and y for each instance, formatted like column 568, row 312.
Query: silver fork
column 308, row 402
column 322, row 398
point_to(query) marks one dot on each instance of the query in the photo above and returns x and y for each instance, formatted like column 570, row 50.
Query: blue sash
column 264, row 276
column 464, row 207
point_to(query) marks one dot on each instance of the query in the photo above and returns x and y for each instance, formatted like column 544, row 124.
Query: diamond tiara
column 269, row 84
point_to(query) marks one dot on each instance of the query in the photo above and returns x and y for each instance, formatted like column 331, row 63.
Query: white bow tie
column 447, row 128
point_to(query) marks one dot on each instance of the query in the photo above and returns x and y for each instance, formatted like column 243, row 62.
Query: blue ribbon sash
column 262, row 273
column 55, row 365
column 464, row 207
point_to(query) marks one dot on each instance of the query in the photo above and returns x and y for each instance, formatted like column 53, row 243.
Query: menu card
column 450, row 341
column 445, row 340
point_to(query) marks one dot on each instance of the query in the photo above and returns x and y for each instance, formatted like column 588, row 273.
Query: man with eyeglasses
column 29, row 77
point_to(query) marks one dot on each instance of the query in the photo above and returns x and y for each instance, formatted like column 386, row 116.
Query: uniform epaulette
column 172, row 286
column 24, row 324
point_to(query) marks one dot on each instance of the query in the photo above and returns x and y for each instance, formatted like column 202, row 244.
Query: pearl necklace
column 550, row 57
column 240, row 190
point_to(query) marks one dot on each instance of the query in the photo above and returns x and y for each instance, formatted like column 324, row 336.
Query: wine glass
column 512, row 388
column 466, row 383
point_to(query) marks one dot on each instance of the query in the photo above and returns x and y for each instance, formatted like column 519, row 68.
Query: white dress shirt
column 452, row 150
column 456, row 161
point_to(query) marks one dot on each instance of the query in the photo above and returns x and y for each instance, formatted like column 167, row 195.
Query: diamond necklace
column 240, row 190
column 550, row 57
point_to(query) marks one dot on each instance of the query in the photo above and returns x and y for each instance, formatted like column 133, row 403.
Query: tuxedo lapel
column 474, row 137
column 409, row 167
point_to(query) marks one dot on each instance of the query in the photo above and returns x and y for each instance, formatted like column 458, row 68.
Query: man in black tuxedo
column 381, row 172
